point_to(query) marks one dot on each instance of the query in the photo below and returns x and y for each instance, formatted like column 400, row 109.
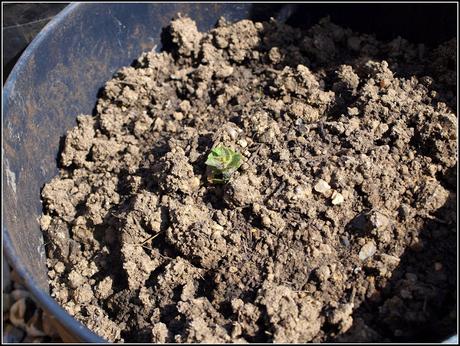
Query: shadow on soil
column 418, row 303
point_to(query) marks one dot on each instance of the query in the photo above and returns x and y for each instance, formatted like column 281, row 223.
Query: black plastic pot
column 21, row 23
column 60, row 73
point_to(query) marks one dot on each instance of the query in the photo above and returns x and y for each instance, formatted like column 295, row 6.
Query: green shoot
column 223, row 162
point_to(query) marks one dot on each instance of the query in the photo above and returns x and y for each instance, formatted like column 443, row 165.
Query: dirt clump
column 340, row 224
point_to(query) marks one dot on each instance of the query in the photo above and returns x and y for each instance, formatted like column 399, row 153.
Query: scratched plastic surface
column 59, row 76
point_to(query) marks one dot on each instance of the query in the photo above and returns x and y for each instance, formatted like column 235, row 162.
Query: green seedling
column 223, row 162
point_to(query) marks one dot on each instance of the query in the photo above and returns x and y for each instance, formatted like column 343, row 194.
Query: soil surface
column 340, row 225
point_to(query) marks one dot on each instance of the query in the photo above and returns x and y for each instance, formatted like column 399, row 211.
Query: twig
column 276, row 192
column 151, row 237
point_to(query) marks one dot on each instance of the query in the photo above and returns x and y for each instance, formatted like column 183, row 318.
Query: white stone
column 322, row 186
column 232, row 133
column 353, row 111
column 337, row 198
column 368, row 250
column 243, row 143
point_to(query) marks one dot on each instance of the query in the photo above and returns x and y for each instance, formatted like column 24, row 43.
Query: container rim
column 70, row 324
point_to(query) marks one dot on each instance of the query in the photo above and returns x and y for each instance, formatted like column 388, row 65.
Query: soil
column 340, row 225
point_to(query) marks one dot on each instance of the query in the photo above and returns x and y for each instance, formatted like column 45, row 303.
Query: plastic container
column 60, row 73
column 21, row 23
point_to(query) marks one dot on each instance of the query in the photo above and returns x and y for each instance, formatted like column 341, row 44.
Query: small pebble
column 302, row 191
column 378, row 220
column 45, row 222
column 284, row 155
column 353, row 111
column 243, row 143
column 274, row 55
column 337, row 198
column 178, row 116
column 75, row 279
column 233, row 269
column 368, row 250
column 266, row 221
column 244, row 167
column 225, row 71
column 185, row 106
column 438, row 266
column 322, row 186
column 232, row 133
column 59, row 267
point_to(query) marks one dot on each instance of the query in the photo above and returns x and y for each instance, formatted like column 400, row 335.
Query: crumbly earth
column 339, row 226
